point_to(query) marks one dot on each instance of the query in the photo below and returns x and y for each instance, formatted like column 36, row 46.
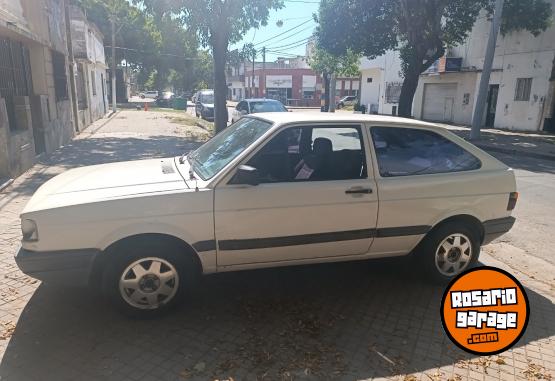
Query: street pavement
column 348, row 321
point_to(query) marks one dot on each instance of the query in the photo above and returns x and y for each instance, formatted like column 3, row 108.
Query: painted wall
column 382, row 70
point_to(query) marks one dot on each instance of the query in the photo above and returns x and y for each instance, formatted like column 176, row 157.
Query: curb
column 92, row 132
column 5, row 184
column 515, row 152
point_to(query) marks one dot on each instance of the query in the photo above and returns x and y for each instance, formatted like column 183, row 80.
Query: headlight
column 29, row 230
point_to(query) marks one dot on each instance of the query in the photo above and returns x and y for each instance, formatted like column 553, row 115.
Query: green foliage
column 158, row 47
column 217, row 23
column 347, row 64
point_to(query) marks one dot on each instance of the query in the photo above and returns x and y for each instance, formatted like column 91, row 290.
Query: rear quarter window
column 411, row 151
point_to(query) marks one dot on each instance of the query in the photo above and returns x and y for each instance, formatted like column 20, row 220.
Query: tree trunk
column 326, row 80
column 408, row 90
column 219, row 50
column 331, row 93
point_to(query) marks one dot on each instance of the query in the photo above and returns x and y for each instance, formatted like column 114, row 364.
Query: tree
column 330, row 65
column 154, row 45
column 218, row 24
column 421, row 30
column 248, row 53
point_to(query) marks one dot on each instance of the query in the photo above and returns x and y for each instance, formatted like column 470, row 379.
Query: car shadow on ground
column 334, row 321
column 102, row 150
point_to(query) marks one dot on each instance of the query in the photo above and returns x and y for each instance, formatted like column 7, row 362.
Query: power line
column 287, row 31
column 293, row 44
column 153, row 53
column 293, row 35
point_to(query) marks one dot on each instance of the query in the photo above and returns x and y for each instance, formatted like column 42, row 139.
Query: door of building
column 492, row 105
column 437, row 105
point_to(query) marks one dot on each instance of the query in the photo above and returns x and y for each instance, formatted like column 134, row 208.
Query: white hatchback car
column 273, row 189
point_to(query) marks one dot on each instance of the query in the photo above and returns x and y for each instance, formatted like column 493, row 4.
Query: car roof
column 311, row 117
column 260, row 100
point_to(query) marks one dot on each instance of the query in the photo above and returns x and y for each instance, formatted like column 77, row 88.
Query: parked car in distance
column 255, row 106
column 165, row 99
column 204, row 105
column 151, row 94
column 273, row 189
column 347, row 101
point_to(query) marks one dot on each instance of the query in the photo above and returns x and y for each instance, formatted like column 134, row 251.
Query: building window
column 368, row 80
column 466, row 99
column 81, row 92
column 308, row 94
column 60, row 78
column 523, row 89
column 393, row 92
column 15, row 77
column 93, row 82
column 354, row 93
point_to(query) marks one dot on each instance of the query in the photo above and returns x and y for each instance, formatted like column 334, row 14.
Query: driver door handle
column 359, row 190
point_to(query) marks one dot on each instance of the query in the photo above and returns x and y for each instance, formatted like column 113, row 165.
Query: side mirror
column 246, row 175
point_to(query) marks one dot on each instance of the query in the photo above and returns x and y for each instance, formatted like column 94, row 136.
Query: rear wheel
column 449, row 250
column 149, row 279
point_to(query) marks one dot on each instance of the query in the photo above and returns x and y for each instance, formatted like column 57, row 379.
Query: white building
column 381, row 83
column 88, row 49
column 521, row 84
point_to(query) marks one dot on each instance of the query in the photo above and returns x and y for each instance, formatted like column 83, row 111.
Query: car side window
column 411, row 151
column 242, row 106
column 312, row 153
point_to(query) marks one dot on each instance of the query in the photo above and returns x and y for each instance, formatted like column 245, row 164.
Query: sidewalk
column 536, row 145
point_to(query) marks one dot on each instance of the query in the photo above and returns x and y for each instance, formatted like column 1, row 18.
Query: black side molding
column 307, row 239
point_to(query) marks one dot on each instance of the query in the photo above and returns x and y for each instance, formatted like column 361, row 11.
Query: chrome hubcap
column 149, row 283
column 453, row 254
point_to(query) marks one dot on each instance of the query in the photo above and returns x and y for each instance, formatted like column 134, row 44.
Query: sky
column 296, row 14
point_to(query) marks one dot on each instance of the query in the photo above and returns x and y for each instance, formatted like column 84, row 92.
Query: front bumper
column 72, row 267
column 496, row 228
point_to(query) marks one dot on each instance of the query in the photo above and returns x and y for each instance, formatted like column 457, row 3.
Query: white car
column 274, row 189
column 255, row 106
column 149, row 94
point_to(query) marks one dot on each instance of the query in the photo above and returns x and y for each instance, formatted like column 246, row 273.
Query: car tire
column 448, row 250
column 149, row 278
column 142, row 97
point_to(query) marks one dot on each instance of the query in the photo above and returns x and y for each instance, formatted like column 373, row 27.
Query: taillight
column 513, row 198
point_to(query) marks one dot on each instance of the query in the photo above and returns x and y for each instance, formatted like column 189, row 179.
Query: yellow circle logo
column 485, row 310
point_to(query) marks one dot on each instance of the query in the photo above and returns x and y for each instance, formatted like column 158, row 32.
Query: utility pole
column 252, row 76
column 114, row 68
column 486, row 72
column 72, row 84
column 263, row 75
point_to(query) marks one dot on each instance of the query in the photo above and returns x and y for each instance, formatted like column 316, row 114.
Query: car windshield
column 207, row 98
column 219, row 151
column 266, row 107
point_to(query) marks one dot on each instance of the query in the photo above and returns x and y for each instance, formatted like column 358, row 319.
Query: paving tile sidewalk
column 537, row 145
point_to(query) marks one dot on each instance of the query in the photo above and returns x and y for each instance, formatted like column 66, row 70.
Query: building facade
column 88, row 51
column 520, row 88
column 381, row 83
column 36, row 113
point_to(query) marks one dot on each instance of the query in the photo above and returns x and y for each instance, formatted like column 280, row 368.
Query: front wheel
column 147, row 281
column 448, row 250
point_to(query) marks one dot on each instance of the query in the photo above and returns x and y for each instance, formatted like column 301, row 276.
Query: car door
column 315, row 199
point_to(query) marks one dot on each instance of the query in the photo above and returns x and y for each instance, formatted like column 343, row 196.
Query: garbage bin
column 180, row 103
